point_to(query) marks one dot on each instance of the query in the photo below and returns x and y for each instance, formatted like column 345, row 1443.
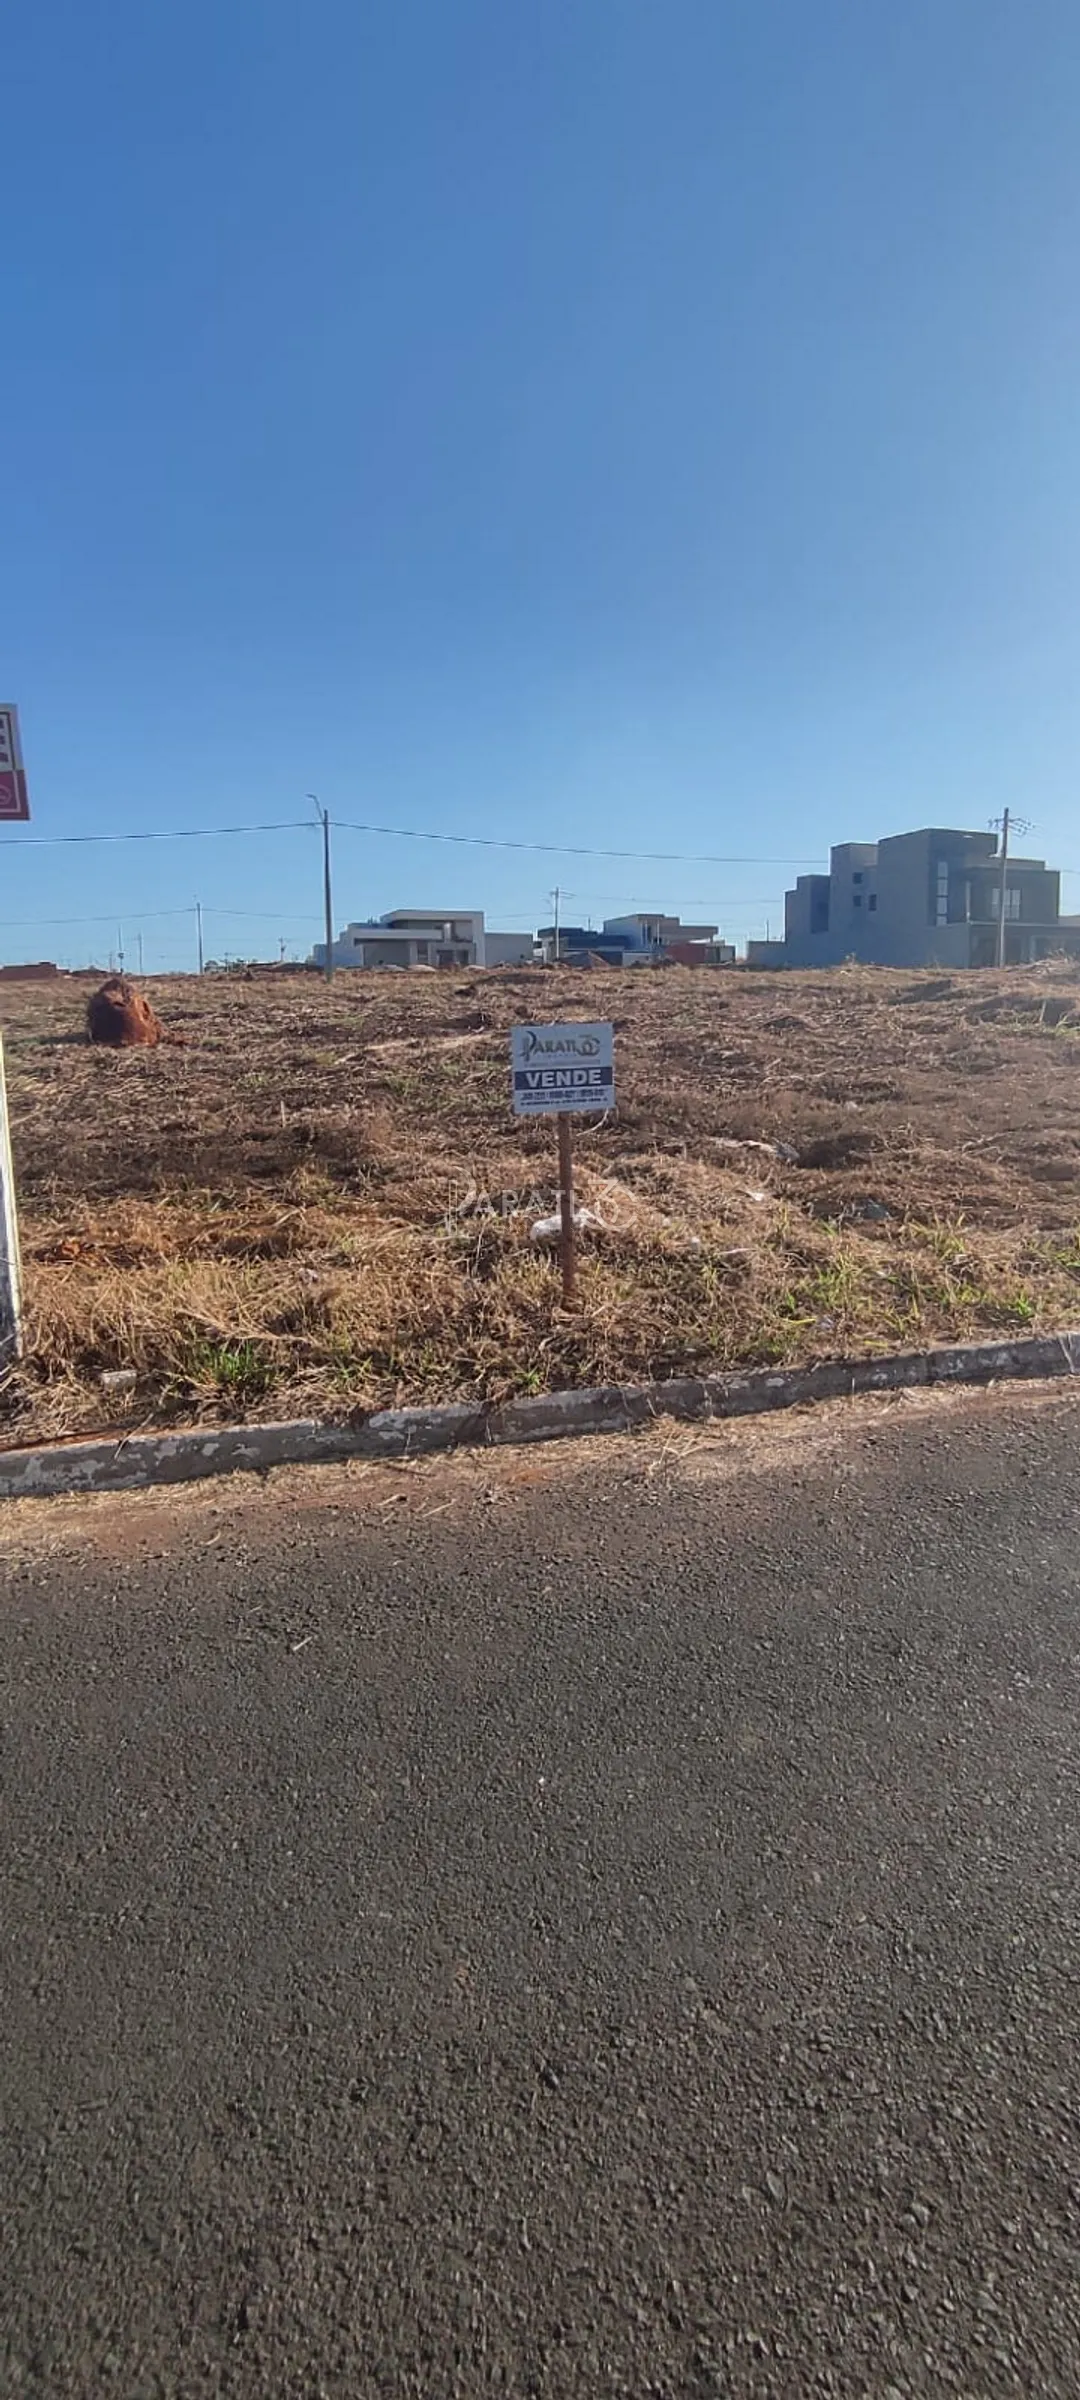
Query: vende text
column 562, row 1079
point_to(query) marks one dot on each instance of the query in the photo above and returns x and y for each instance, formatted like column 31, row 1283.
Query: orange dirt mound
column 121, row 1016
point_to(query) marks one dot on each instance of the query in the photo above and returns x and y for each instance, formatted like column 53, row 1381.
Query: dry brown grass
column 320, row 1200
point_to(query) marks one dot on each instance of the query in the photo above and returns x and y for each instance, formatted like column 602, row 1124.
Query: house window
column 1012, row 901
column 941, row 913
column 421, row 954
column 856, row 900
column 872, row 902
column 857, row 878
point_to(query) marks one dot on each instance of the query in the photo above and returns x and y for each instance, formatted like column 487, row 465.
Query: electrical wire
column 480, row 841
column 260, row 916
column 414, row 833
column 112, row 916
column 131, row 914
column 398, row 833
column 153, row 833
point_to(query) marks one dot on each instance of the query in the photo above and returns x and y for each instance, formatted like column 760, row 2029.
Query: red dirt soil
column 120, row 1016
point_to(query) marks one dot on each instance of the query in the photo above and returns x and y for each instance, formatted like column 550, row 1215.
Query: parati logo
column 563, row 1045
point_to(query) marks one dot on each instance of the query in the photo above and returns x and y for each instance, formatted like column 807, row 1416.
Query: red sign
column 14, row 802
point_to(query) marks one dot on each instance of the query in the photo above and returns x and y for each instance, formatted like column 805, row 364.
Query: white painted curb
column 128, row 1462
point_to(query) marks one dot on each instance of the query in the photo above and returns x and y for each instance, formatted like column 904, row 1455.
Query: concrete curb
column 128, row 1463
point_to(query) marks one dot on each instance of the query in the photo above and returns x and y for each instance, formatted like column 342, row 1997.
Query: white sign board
column 563, row 1069
column 14, row 805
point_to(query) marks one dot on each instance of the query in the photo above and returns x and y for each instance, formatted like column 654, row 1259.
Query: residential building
column 636, row 940
column 649, row 934
column 929, row 898
column 426, row 937
column 572, row 942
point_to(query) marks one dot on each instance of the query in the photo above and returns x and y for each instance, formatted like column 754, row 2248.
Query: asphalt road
column 608, row 1929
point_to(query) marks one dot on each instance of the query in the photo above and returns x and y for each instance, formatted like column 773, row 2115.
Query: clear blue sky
column 653, row 423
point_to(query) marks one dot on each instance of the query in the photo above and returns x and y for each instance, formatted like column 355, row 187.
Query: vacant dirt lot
column 319, row 1199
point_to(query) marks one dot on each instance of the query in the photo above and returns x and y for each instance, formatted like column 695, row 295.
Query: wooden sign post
column 563, row 1071
column 567, row 1243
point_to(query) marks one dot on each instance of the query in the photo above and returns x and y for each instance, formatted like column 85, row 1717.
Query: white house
column 426, row 937
column 645, row 933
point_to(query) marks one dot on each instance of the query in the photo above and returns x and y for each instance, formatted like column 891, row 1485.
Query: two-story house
column 426, row 937
column 930, row 898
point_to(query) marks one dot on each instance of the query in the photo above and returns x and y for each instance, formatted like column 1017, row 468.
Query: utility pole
column 138, row 940
column 555, row 897
column 120, row 947
column 1006, row 824
column 1001, row 894
column 323, row 815
column 198, row 932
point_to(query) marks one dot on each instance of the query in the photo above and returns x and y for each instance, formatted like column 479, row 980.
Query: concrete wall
column 700, row 954
column 806, row 909
column 1040, row 891
column 389, row 954
column 903, row 933
column 853, row 899
column 356, row 949
column 632, row 930
column 1039, row 888
column 508, row 949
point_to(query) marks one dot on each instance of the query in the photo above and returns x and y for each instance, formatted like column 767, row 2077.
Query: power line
column 261, row 916
column 143, row 915
column 176, row 833
column 640, row 902
column 412, row 833
column 479, row 841
column 400, row 833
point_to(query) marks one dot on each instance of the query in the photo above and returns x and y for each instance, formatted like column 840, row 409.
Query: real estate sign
column 562, row 1070
column 14, row 805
